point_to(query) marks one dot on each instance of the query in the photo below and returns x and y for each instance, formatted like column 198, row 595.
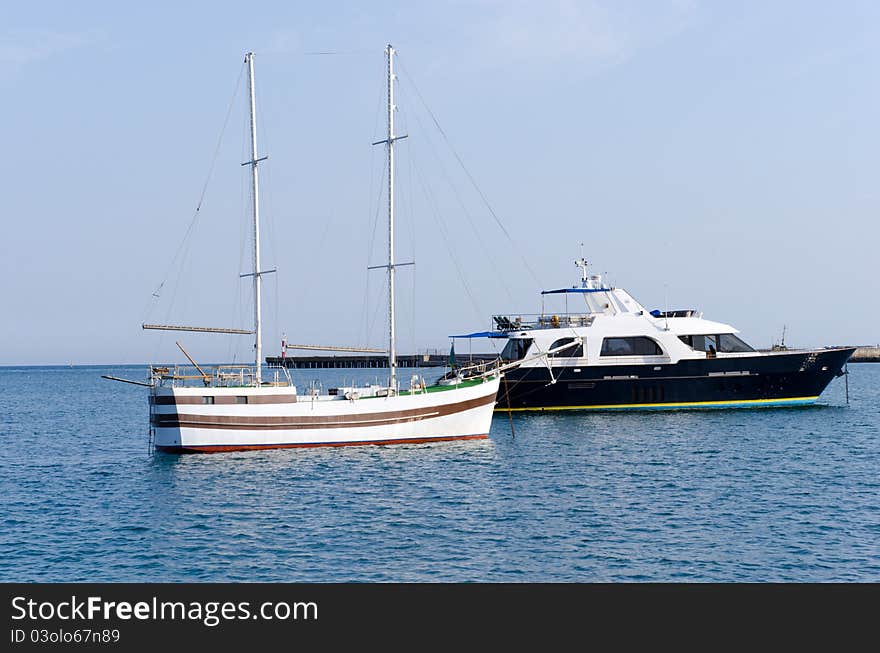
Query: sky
column 710, row 155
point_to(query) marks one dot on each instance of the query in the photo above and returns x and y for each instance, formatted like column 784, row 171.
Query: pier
column 869, row 354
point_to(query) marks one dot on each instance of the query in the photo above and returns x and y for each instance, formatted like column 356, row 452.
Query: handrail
column 543, row 320
column 222, row 376
column 498, row 368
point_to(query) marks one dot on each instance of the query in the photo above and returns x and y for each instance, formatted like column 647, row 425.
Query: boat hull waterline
column 182, row 423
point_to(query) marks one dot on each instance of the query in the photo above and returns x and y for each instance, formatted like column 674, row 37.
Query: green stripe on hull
column 746, row 403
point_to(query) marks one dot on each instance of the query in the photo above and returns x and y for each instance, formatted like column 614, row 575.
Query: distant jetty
column 373, row 361
column 869, row 354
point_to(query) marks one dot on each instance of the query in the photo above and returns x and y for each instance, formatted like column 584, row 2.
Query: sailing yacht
column 607, row 351
column 236, row 408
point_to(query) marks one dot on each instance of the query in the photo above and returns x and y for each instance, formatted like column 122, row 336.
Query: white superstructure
column 595, row 313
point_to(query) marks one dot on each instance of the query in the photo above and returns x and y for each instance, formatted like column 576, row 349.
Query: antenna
column 583, row 264
column 780, row 346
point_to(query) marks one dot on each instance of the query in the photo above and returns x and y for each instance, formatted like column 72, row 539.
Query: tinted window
column 515, row 349
column 724, row 342
column 630, row 346
column 705, row 343
column 700, row 343
column 575, row 351
column 729, row 342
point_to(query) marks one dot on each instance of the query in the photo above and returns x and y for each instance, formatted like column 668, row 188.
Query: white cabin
column 607, row 326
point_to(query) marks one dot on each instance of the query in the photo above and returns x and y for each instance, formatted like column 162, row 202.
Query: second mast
column 257, row 274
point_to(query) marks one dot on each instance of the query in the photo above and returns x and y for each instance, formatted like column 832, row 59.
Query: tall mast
column 258, row 341
column 392, row 353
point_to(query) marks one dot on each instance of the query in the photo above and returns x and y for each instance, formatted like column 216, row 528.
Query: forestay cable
column 470, row 176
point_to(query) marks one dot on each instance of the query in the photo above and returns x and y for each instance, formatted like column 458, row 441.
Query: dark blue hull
column 788, row 378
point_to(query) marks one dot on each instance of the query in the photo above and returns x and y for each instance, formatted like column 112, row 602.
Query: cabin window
column 729, row 342
column 241, row 400
column 575, row 351
column 207, row 400
column 630, row 346
column 725, row 342
column 705, row 343
column 515, row 349
column 700, row 343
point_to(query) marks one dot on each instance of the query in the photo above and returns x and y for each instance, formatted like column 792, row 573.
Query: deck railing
column 218, row 376
column 542, row 321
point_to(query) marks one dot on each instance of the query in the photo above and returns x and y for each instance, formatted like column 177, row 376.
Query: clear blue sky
column 712, row 155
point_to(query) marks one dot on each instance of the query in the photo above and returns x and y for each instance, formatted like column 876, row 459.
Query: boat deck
column 373, row 361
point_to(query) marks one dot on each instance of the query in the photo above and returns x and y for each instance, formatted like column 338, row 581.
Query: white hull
column 277, row 418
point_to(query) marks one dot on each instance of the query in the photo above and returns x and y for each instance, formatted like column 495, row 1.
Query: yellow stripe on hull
column 686, row 404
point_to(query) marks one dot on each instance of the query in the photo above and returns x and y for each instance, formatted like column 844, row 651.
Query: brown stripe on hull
column 218, row 448
column 171, row 400
column 176, row 420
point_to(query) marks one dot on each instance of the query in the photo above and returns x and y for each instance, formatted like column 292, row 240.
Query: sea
column 723, row 495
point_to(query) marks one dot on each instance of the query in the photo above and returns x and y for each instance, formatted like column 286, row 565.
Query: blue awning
column 683, row 312
column 483, row 334
column 573, row 290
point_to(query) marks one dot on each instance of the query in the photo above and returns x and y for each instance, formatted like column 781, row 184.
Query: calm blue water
column 789, row 494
